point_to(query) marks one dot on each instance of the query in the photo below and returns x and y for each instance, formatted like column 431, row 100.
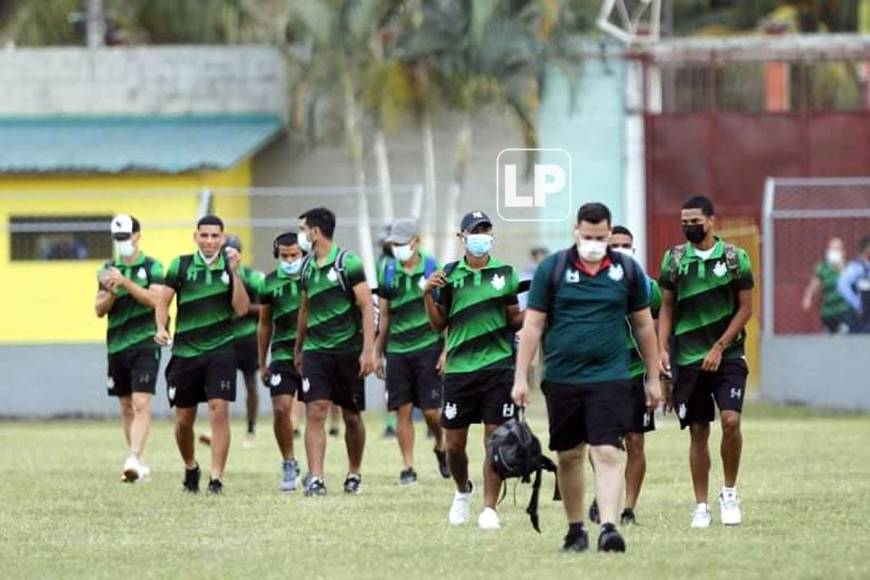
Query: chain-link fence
column 801, row 217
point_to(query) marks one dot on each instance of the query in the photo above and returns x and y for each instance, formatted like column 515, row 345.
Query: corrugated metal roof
column 140, row 144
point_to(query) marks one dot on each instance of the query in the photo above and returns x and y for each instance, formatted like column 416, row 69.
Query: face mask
column 834, row 257
column 304, row 242
column 291, row 268
column 208, row 260
column 125, row 248
column 624, row 251
column 592, row 251
column 403, row 253
column 478, row 245
column 695, row 233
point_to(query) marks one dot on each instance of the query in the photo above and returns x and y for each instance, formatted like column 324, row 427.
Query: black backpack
column 516, row 453
column 563, row 258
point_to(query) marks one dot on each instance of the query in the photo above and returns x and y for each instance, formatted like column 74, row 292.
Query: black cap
column 473, row 219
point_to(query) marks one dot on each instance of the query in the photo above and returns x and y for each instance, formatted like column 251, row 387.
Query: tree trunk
column 431, row 206
column 449, row 250
column 385, row 187
column 354, row 139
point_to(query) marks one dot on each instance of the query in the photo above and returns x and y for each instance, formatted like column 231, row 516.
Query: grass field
column 805, row 487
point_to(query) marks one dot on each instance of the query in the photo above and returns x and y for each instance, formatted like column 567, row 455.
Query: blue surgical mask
column 478, row 245
column 291, row 268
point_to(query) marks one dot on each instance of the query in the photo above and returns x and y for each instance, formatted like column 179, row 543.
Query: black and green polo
column 131, row 324
column 245, row 327
column 282, row 293
column 636, row 365
column 409, row 330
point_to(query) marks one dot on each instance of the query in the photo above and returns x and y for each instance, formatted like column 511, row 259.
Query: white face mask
column 125, row 248
column 208, row 260
column 291, row 268
column 834, row 256
column 304, row 242
column 624, row 251
column 403, row 253
column 592, row 251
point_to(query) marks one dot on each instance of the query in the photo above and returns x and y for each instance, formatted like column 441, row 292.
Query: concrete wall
column 152, row 80
column 820, row 371
column 61, row 380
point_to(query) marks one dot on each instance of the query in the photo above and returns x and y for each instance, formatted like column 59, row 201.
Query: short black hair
column 864, row 245
column 210, row 220
column 594, row 213
column 701, row 202
column 622, row 230
column 322, row 218
column 287, row 239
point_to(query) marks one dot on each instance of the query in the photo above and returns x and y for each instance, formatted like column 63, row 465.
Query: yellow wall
column 52, row 302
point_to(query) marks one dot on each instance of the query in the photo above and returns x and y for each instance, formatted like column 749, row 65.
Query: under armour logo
column 226, row 385
column 507, row 410
column 191, row 275
column 646, row 419
column 144, row 378
column 736, row 392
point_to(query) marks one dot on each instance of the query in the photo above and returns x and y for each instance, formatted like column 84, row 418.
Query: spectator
column 854, row 287
column 835, row 311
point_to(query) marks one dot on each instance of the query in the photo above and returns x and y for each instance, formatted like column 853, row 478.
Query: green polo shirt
column 705, row 301
column 245, row 327
column 282, row 293
column 204, row 297
column 478, row 330
column 409, row 330
column 131, row 324
column 586, row 336
column 334, row 323
column 832, row 302
column 636, row 365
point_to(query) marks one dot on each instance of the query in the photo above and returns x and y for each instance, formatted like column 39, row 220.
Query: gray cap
column 403, row 231
column 384, row 233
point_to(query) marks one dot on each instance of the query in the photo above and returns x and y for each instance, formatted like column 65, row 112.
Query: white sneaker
column 132, row 470
column 703, row 517
column 488, row 520
column 250, row 441
column 729, row 507
column 461, row 507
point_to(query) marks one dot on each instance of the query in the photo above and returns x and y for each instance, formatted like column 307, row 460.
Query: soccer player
column 477, row 306
column 706, row 302
column 854, row 287
column 578, row 302
column 209, row 293
column 412, row 347
column 126, row 296
column 280, row 296
column 334, row 346
column 245, row 338
column 835, row 311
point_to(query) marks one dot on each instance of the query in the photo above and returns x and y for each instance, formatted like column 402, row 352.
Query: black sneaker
column 333, row 431
column 407, row 477
column 191, row 480
column 627, row 518
column 576, row 542
column 215, row 487
column 315, row 487
column 353, row 483
column 609, row 540
column 390, row 432
column 443, row 468
column 594, row 515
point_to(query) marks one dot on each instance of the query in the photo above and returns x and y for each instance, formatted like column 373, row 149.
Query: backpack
column 516, row 453
column 429, row 266
column 732, row 261
column 340, row 268
column 563, row 257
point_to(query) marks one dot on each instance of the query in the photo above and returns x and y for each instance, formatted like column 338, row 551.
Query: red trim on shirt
column 581, row 267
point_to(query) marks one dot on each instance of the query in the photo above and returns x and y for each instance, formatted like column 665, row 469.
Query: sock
column 251, row 425
column 575, row 530
column 729, row 490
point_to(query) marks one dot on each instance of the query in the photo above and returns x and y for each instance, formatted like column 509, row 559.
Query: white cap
column 124, row 224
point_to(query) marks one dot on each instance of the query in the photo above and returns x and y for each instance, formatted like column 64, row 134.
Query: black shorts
column 642, row 420
column 133, row 371
column 695, row 391
column 330, row 376
column 478, row 396
column 594, row 413
column 190, row 381
column 413, row 378
column 283, row 379
column 246, row 355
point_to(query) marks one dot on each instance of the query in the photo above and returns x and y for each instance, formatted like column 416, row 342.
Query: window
column 43, row 238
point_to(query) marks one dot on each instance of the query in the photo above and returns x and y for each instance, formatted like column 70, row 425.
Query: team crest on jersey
column 572, row 276
column 498, row 282
column 332, row 275
column 141, row 274
column 616, row 272
column 225, row 278
column 450, row 410
column 720, row 269
column 275, row 379
column 306, row 385
column 110, row 383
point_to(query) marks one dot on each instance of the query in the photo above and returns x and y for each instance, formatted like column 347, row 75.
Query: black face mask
column 695, row 233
